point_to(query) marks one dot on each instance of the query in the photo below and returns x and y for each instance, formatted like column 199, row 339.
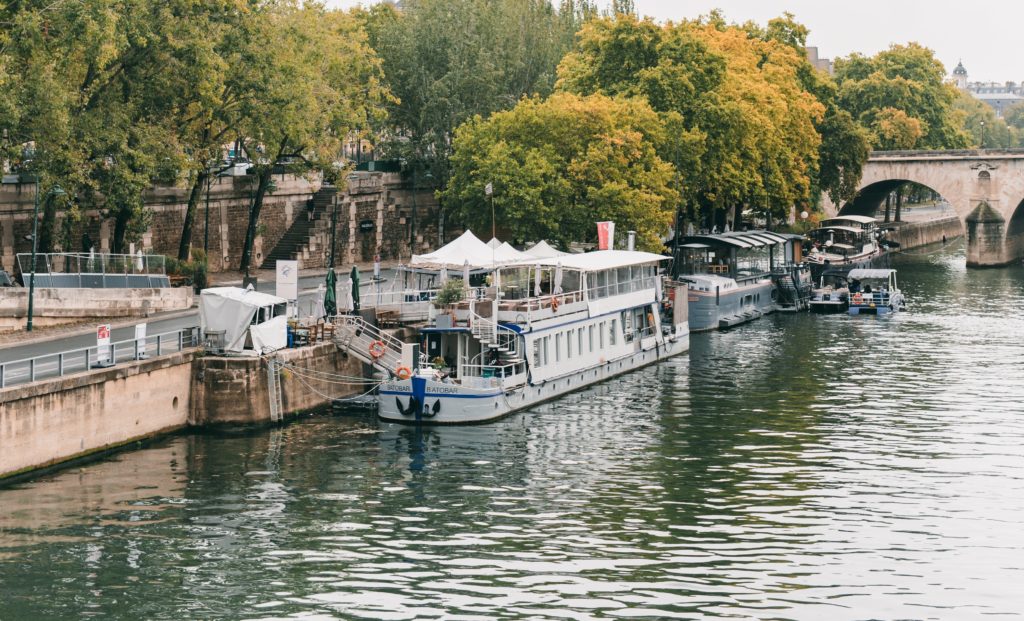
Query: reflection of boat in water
column 732, row 276
column 874, row 292
column 541, row 328
column 832, row 295
column 846, row 242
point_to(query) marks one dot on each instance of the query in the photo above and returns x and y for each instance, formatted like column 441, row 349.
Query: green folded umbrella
column 331, row 297
column 355, row 289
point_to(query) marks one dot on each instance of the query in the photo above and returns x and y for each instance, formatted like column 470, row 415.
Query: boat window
column 558, row 347
column 536, row 353
column 591, row 338
column 611, row 333
column 568, row 344
column 600, row 336
column 579, row 340
column 546, row 349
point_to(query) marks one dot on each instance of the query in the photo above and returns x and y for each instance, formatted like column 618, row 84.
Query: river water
column 800, row 467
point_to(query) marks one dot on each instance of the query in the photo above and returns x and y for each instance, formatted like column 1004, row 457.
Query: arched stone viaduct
column 984, row 187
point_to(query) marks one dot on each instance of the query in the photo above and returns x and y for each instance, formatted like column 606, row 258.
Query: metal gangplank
column 353, row 335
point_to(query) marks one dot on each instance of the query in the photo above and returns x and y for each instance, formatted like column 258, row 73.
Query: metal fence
column 77, row 360
column 95, row 270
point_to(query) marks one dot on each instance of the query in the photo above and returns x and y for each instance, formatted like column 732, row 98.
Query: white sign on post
column 288, row 280
column 140, row 341
column 103, row 345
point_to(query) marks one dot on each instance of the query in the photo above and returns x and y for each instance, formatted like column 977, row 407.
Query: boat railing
column 878, row 298
column 528, row 310
column 483, row 375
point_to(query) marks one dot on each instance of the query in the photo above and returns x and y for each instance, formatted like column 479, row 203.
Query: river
column 799, row 467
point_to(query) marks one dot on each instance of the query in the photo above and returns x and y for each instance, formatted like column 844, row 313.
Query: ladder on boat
column 488, row 331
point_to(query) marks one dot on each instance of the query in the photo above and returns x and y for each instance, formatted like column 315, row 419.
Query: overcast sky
column 985, row 35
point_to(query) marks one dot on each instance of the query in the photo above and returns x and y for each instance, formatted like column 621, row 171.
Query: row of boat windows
column 578, row 341
column 621, row 280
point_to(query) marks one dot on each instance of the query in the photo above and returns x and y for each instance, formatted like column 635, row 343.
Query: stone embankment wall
column 53, row 307
column 234, row 390
column 60, row 419
column 924, row 232
column 374, row 215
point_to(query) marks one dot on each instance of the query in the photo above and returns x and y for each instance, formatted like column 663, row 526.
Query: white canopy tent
column 544, row 250
column 249, row 320
column 494, row 243
column 467, row 248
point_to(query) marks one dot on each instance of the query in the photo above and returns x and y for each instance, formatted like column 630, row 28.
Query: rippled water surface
column 800, row 467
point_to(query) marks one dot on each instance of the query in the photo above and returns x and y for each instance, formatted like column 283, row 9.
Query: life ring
column 377, row 349
column 554, row 304
column 858, row 298
column 403, row 373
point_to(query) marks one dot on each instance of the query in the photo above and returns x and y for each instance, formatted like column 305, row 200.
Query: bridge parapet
column 947, row 154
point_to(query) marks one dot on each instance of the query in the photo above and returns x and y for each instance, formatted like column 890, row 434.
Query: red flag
column 605, row 235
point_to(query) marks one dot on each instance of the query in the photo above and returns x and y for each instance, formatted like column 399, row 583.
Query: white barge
column 545, row 327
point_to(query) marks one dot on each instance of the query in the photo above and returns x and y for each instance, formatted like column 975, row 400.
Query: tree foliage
column 900, row 95
column 449, row 60
column 557, row 165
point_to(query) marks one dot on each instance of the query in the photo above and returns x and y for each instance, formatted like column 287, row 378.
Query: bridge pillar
column 986, row 237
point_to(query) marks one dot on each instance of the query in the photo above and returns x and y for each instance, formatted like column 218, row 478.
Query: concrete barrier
column 62, row 306
column 60, row 419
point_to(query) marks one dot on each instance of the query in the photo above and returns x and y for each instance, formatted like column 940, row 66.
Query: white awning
column 857, row 219
column 869, row 273
column 467, row 247
column 595, row 261
column 235, row 312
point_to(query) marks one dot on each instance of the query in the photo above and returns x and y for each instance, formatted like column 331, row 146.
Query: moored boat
column 845, row 243
column 731, row 276
column 874, row 292
column 832, row 294
column 542, row 327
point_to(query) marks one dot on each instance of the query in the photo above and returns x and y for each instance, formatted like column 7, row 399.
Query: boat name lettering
column 444, row 390
column 397, row 387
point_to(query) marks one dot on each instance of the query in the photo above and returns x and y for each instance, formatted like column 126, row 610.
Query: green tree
column 905, row 78
column 559, row 165
column 985, row 128
column 448, row 60
column 317, row 81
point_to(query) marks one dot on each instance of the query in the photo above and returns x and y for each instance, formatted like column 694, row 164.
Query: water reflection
column 798, row 467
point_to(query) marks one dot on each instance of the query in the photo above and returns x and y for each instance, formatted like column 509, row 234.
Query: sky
column 982, row 35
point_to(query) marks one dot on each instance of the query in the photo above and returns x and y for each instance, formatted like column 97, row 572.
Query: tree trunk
column 899, row 203
column 185, row 244
column 254, row 216
column 888, row 204
column 124, row 214
column 737, row 217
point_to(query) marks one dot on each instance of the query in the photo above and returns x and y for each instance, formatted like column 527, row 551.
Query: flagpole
column 493, row 225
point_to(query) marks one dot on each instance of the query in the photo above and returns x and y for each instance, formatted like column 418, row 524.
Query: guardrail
column 77, row 360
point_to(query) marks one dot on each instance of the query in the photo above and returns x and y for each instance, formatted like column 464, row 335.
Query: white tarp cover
column 232, row 309
column 505, row 253
column 544, row 250
column 494, row 243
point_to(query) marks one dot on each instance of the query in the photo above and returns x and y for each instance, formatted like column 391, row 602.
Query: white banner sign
column 103, row 343
column 288, row 280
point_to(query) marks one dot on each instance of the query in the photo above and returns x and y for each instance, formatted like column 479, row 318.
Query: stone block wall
column 234, row 390
column 62, row 306
column 229, row 200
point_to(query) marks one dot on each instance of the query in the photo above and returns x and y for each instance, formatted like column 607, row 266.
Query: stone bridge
column 984, row 187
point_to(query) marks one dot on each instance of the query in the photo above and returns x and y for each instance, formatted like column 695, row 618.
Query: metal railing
column 86, row 358
column 95, row 270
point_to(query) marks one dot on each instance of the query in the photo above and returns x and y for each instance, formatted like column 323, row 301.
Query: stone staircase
column 298, row 240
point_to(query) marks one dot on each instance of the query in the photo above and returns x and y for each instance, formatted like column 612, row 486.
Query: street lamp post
column 55, row 191
column 983, row 134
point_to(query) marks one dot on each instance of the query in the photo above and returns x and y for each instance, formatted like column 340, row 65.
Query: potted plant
column 450, row 293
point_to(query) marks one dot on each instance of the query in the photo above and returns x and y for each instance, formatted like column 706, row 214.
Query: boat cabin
column 739, row 256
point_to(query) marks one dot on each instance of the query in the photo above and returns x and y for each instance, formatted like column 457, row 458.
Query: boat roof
column 594, row 261
column 860, row 219
column 740, row 239
column 839, row 227
column 870, row 273
column 467, row 248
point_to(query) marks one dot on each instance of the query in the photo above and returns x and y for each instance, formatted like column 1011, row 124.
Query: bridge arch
column 984, row 188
